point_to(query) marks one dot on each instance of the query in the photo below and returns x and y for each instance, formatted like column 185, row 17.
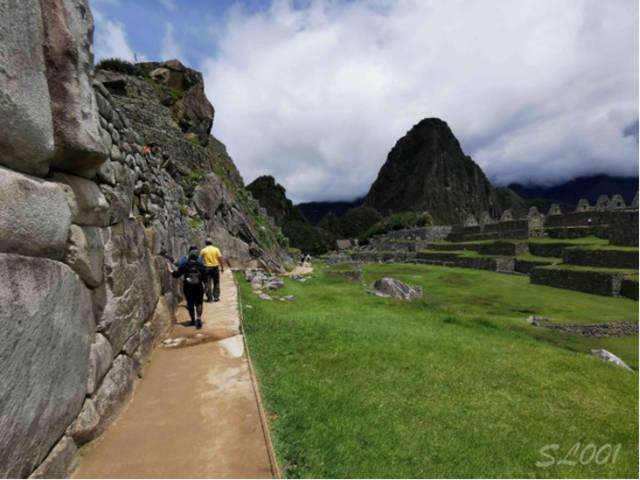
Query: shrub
column 308, row 238
column 120, row 65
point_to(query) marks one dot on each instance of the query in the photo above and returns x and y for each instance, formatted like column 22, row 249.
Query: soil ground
column 195, row 413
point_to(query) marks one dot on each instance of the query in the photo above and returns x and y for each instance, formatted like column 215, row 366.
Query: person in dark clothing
column 195, row 278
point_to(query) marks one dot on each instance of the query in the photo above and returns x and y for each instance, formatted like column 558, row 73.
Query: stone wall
column 585, row 221
column 606, row 258
column 540, row 249
column 629, row 288
column 504, row 248
column 589, row 281
column 623, row 228
column 434, row 233
column 88, row 216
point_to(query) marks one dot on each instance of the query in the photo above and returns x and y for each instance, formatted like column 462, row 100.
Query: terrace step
column 506, row 248
column 598, row 282
column 601, row 257
column 525, row 266
column 601, row 231
column 630, row 288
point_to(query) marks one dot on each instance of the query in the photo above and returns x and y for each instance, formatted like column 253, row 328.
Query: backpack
column 193, row 274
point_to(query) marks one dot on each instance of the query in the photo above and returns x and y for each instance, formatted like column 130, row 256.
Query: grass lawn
column 454, row 385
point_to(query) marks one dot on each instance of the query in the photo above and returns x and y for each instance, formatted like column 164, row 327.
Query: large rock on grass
column 609, row 357
column 390, row 287
column 46, row 328
column 34, row 216
column 26, row 129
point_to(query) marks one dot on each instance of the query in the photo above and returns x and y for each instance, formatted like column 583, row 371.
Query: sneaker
column 192, row 323
column 216, row 299
column 198, row 324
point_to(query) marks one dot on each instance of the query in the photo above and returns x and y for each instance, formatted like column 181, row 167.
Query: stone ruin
column 554, row 209
column 485, row 218
column 507, row 215
column 536, row 222
column 617, row 202
column 583, row 205
column 470, row 221
column 602, row 203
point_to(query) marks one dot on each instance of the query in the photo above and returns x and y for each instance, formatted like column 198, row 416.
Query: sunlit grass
column 455, row 385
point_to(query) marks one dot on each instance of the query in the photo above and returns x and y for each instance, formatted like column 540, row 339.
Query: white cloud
column 534, row 89
column 111, row 41
column 170, row 47
column 168, row 4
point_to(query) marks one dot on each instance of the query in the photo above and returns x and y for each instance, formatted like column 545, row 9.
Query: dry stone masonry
column 91, row 204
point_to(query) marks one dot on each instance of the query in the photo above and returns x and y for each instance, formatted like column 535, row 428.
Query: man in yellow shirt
column 213, row 263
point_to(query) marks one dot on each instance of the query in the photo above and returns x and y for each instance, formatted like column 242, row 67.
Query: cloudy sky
column 316, row 92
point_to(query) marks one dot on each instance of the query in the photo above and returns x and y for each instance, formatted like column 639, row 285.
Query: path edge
column 264, row 420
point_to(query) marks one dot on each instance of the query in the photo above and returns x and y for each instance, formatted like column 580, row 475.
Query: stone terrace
column 593, row 249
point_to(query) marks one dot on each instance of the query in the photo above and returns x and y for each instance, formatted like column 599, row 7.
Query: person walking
column 212, row 258
column 195, row 278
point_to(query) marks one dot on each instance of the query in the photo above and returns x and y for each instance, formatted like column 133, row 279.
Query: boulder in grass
column 273, row 283
column 609, row 357
column 390, row 287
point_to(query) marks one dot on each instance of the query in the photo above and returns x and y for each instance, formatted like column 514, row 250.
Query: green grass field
column 454, row 385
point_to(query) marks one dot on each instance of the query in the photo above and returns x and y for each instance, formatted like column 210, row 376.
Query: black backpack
column 193, row 275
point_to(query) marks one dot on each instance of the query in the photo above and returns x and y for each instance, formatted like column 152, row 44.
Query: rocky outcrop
column 428, row 171
column 273, row 197
column 301, row 234
column 201, row 181
column 189, row 106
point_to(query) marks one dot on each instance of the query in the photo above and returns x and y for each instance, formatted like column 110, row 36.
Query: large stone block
column 98, row 413
column 209, row 195
column 100, row 360
column 86, row 201
column 68, row 32
column 85, row 254
column 26, row 129
column 34, row 216
column 46, row 328
column 144, row 348
column 163, row 316
column 60, row 462
column 131, row 290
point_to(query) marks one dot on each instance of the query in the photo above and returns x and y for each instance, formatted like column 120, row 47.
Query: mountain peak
column 427, row 170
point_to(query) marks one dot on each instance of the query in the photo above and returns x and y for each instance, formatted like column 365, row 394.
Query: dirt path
column 194, row 414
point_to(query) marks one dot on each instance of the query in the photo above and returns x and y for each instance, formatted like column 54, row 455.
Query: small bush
column 120, row 65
